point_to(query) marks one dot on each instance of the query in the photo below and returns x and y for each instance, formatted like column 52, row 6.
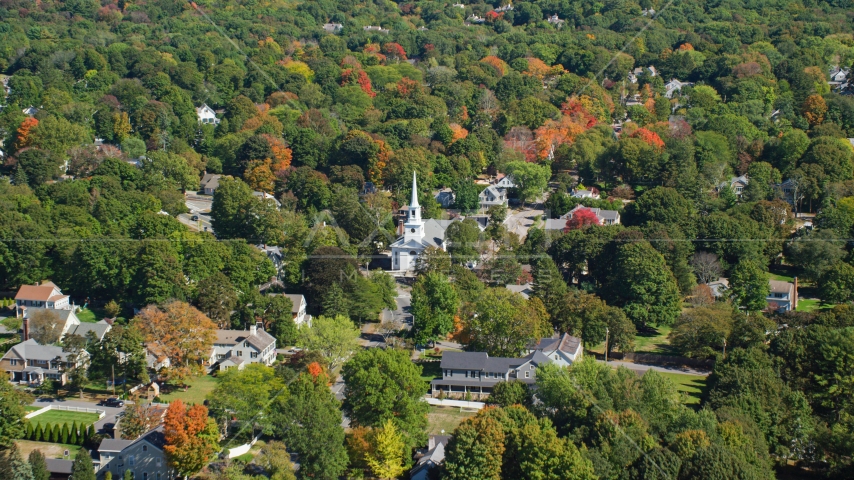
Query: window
column 532, row 367
column 145, row 476
column 158, row 462
column 527, row 374
column 413, row 253
column 145, row 448
column 412, row 230
column 254, row 354
column 130, row 460
column 13, row 362
column 240, row 353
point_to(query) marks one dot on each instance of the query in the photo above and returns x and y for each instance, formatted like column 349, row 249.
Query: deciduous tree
column 434, row 304
column 502, row 323
column 184, row 334
column 334, row 337
column 191, row 437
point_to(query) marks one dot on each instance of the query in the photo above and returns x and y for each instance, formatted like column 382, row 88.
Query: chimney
column 795, row 300
column 25, row 329
column 253, row 329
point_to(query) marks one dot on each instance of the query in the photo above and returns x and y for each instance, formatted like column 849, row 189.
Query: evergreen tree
column 37, row 433
column 82, row 469
column 38, row 465
column 30, row 431
column 72, row 436
column 21, row 177
column 64, row 434
column 54, row 433
column 13, row 465
column 548, row 284
column 334, row 302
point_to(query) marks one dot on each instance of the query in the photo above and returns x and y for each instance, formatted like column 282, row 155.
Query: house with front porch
column 492, row 195
column 31, row 364
column 236, row 348
column 43, row 295
column 476, row 373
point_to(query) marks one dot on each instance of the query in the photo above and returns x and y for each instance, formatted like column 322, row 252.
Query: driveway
column 642, row 367
column 520, row 222
column 109, row 416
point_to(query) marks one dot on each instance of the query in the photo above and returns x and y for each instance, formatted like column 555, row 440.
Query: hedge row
column 56, row 433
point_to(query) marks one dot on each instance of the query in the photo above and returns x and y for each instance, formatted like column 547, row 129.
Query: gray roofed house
column 332, row 27
column 606, row 217
column 246, row 346
column 564, row 350
column 58, row 468
column 99, row 329
column 31, row 363
column 434, row 457
column 476, row 373
column 144, row 457
column 492, row 195
column 526, row 290
column 782, row 296
column 298, row 308
column 445, row 197
column 209, row 183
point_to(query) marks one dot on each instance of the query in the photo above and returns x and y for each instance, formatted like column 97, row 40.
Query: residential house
column 59, row 469
column 782, row 296
column 209, row 183
column 44, row 295
column 526, row 289
column 788, row 190
column 31, row 363
column 298, row 309
column 275, row 255
column 505, row 8
column 492, row 195
column 605, row 217
column 736, row 184
column 368, row 188
column 267, row 196
column 30, row 111
column 332, row 27
column 504, row 181
column 236, row 348
column 564, row 350
column 475, row 19
column 434, row 457
column 592, row 194
column 556, row 21
column 477, row 373
column 838, row 75
column 673, row 87
column 418, row 234
column 445, row 198
column 66, row 323
column 206, row 115
column 155, row 358
column 648, row 12
column 144, row 457
column 374, row 28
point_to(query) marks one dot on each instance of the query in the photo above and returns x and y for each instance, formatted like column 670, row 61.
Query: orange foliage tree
column 496, row 62
column 190, row 437
column 282, row 155
column 554, row 133
column 459, row 132
column 814, row 109
column 259, row 175
column 576, row 109
column 24, row 133
column 394, row 51
column 181, row 332
column 521, row 139
column 649, row 137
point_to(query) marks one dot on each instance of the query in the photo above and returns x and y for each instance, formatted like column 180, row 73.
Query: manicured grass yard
column 197, row 389
column 50, row 450
column 653, row 340
column 693, row 385
column 30, row 408
column 781, row 278
column 810, row 305
column 445, row 418
column 87, row 316
column 62, row 416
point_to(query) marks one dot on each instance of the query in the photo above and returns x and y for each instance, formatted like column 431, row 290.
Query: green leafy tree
column 502, row 323
column 12, row 402
column 749, row 286
column 837, row 284
column 13, row 466
column 336, row 338
column 701, row 331
column 643, row 285
column 216, row 297
column 531, row 179
column 475, row 450
column 434, row 304
column 385, row 385
column 463, row 240
column 433, row 259
column 242, row 395
column 466, row 195
column 505, row 394
column 309, row 420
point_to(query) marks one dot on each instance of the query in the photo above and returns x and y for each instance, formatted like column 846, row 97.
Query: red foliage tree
column 580, row 219
column 394, row 51
column 649, row 137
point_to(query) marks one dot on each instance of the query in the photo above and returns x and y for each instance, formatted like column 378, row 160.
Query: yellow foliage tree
column 386, row 458
column 259, row 175
column 121, row 125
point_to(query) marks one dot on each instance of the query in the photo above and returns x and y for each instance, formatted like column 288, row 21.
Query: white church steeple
column 414, row 226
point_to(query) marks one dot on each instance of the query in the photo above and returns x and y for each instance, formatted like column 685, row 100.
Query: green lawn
column 87, row 316
column 197, row 389
column 693, row 385
column 445, row 418
column 653, row 340
column 810, row 305
column 30, row 408
column 781, row 278
column 62, row 416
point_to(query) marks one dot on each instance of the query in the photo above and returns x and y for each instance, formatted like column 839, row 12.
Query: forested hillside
column 708, row 127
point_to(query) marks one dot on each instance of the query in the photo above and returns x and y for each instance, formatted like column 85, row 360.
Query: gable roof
column 31, row 350
column 781, row 287
column 260, row 340
column 58, row 465
column 153, row 437
column 464, row 360
column 99, row 329
column 297, row 300
column 39, row 293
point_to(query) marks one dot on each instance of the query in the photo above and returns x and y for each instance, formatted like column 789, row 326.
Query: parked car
column 112, row 402
column 194, row 218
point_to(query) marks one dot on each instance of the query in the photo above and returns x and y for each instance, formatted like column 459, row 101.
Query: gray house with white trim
column 144, row 457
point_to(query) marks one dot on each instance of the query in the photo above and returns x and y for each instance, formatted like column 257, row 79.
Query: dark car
column 194, row 218
column 112, row 402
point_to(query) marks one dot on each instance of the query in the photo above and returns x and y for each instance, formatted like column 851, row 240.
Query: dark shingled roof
column 464, row 360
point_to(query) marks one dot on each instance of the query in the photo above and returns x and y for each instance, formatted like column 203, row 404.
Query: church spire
column 414, row 202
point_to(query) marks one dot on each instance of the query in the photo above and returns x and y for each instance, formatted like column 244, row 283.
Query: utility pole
column 725, row 348
column 113, row 368
column 606, row 343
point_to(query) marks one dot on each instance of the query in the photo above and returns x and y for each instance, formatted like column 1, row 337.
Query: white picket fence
column 100, row 413
column 455, row 403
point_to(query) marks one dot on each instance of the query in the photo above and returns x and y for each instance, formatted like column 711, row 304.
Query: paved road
column 110, row 412
column 642, row 367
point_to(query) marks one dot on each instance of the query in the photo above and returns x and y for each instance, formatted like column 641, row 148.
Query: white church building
column 418, row 234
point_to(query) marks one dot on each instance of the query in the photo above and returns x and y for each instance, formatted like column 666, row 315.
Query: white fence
column 100, row 413
column 455, row 403
column 238, row 451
